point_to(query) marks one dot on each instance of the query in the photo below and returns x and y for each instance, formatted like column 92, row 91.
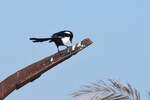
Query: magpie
column 59, row 38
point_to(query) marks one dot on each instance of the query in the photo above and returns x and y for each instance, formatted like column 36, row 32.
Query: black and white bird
column 60, row 38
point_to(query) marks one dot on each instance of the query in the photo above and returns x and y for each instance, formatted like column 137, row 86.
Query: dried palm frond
column 114, row 90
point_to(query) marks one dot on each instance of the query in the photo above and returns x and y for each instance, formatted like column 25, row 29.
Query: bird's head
column 70, row 35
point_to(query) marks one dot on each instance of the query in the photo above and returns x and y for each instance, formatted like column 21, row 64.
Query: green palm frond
column 114, row 90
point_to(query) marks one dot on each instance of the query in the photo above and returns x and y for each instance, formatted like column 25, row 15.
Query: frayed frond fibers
column 112, row 90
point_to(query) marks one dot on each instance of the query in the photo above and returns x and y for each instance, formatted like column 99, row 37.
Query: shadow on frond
column 111, row 90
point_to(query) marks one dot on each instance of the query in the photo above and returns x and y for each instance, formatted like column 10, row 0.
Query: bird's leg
column 58, row 48
column 60, row 53
column 67, row 48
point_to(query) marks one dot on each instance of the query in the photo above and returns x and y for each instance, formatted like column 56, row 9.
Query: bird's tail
column 40, row 39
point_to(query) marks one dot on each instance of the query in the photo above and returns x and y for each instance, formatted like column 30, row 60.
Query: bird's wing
column 60, row 35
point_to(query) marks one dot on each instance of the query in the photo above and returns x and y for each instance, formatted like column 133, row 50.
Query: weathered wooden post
column 35, row 70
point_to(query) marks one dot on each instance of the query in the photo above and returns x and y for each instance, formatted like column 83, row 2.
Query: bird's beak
column 71, row 41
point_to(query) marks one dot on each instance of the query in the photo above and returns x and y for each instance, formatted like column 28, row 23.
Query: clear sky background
column 120, row 30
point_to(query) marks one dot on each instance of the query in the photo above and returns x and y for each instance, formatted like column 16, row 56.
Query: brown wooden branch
column 35, row 70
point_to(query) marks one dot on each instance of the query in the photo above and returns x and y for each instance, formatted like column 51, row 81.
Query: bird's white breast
column 65, row 40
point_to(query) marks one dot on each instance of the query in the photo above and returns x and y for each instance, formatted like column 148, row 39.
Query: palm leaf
column 112, row 90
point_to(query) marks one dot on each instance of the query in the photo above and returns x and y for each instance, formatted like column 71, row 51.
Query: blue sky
column 119, row 29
